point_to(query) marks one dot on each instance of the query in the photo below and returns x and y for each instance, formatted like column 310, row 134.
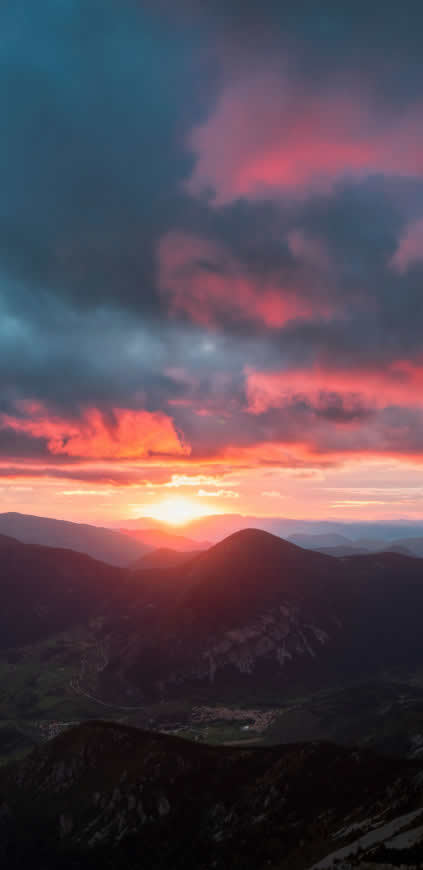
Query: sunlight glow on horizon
column 175, row 511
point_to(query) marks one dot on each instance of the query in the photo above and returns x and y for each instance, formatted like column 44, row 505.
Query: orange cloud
column 127, row 434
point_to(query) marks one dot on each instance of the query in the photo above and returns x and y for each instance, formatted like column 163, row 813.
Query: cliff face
column 103, row 795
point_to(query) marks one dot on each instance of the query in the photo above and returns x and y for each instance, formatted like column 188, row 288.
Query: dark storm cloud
column 127, row 282
column 95, row 97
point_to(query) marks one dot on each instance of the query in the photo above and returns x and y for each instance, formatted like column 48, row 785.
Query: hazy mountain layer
column 100, row 543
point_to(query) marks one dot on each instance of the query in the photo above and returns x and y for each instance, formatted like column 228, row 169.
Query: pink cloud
column 400, row 384
column 202, row 279
column 266, row 136
column 410, row 248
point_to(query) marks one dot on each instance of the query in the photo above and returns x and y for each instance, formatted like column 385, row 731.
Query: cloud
column 410, row 248
column 347, row 393
column 269, row 135
column 219, row 493
column 210, row 236
column 96, row 492
column 125, row 435
column 203, row 279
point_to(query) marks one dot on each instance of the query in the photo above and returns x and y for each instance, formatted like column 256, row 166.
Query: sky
column 211, row 258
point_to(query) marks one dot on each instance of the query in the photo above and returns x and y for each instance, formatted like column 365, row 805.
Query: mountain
column 103, row 795
column 164, row 557
column 318, row 542
column 373, row 545
column 45, row 590
column 342, row 551
column 159, row 538
column 253, row 615
column 100, row 543
column 216, row 527
column 339, row 545
column 257, row 614
column 412, row 545
column 253, row 620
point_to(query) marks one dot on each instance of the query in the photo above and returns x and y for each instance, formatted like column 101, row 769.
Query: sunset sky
column 211, row 256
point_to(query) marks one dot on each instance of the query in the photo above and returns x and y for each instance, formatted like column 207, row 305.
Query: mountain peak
column 253, row 538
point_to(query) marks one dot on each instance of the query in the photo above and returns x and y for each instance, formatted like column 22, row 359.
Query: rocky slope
column 103, row 795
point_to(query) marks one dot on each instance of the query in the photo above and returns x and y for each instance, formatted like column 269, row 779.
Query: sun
column 175, row 511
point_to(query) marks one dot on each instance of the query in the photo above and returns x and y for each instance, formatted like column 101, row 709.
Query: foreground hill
column 45, row 590
column 259, row 614
column 104, row 795
column 104, row 544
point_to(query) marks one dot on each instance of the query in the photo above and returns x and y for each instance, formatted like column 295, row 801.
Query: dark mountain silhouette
column 106, row 796
column 104, row 544
column 253, row 615
column 45, row 590
column 257, row 613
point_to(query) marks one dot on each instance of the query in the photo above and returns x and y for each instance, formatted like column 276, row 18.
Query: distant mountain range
column 339, row 545
column 216, row 527
column 106, row 796
column 158, row 538
column 100, row 543
column 117, row 547
column 125, row 544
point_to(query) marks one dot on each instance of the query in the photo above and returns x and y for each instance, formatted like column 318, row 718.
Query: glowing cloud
column 124, row 434
column 400, row 384
column 269, row 134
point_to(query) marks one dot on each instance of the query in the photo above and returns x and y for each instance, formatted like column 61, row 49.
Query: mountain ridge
column 257, row 610
column 96, row 541
column 105, row 795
